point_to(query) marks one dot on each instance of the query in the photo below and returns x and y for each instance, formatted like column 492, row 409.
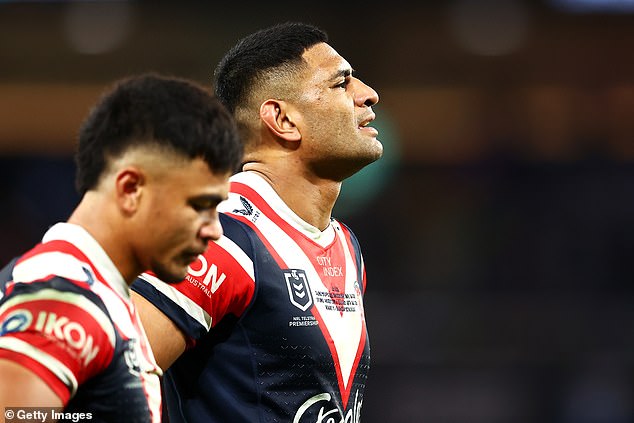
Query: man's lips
column 192, row 255
column 369, row 130
column 367, row 120
column 363, row 126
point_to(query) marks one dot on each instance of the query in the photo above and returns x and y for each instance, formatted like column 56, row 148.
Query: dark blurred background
column 498, row 230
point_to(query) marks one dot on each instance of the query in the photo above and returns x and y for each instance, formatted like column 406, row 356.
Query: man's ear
column 276, row 115
column 129, row 184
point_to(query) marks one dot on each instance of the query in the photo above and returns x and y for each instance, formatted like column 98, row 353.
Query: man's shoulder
column 347, row 232
column 237, row 230
column 49, row 260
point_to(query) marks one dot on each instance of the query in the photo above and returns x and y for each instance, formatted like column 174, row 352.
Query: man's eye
column 343, row 84
column 202, row 205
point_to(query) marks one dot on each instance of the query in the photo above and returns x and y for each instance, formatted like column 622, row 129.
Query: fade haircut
column 174, row 114
column 275, row 49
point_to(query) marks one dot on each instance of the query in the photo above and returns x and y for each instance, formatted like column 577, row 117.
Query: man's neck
column 94, row 216
column 312, row 199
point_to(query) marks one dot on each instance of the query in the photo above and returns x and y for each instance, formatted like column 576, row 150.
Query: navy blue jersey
column 274, row 311
column 66, row 314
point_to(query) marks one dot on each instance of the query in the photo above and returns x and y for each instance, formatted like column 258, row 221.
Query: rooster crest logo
column 248, row 208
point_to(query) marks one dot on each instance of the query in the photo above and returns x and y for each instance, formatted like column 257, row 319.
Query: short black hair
column 265, row 49
column 151, row 109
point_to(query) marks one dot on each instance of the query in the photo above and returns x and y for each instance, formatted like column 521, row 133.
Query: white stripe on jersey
column 79, row 237
column 69, row 298
column 152, row 388
column 51, row 363
column 240, row 256
column 351, row 263
column 192, row 309
column 56, row 263
column 118, row 308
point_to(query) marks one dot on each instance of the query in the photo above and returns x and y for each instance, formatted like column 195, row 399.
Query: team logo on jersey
column 298, row 288
column 131, row 357
column 248, row 208
column 357, row 289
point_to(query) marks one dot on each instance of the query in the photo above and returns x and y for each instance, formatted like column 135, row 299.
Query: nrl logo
column 131, row 356
column 298, row 289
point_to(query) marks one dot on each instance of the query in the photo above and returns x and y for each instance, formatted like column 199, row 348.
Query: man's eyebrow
column 341, row 73
column 209, row 198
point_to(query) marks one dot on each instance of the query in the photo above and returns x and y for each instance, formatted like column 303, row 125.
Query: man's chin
column 378, row 151
column 171, row 276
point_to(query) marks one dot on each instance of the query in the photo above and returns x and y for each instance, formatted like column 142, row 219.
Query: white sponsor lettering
column 327, row 267
column 323, row 260
column 329, row 413
column 333, row 271
column 73, row 333
column 210, row 272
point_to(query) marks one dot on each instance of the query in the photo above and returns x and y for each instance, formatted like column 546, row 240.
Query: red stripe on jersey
column 55, row 246
column 348, row 237
column 53, row 382
column 346, row 393
column 364, row 279
column 61, row 246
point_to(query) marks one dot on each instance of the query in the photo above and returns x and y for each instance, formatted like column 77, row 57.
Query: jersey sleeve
column 56, row 329
column 220, row 282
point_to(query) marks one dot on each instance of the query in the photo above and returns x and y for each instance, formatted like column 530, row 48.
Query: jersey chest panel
column 306, row 324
